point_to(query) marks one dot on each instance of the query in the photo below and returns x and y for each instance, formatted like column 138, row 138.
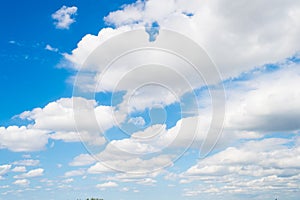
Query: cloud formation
column 31, row 173
column 252, row 168
column 22, row 138
column 64, row 17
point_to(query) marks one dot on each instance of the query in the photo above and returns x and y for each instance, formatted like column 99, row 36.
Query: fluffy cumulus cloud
column 31, row 173
column 224, row 29
column 256, row 107
column 213, row 25
column 64, row 17
column 72, row 120
column 68, row 119
column 22, row 138
column 89, row 43
column 113, row 160
column 253, row 167
column 266, row 103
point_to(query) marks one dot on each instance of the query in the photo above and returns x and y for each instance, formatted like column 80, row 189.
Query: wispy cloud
column 50, row 48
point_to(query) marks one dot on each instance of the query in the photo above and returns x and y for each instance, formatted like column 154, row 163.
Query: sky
column 172, row 99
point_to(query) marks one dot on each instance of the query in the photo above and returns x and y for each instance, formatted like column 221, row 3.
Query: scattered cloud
column 258, row 151
column 29, row 162
column 4, row 169
column 82, row 160
column 69, row 180
column 113, row 160
column 22, row 182
column 19, row 169
column 147, row 181
column 31, row 173
column 107, row 185
column 247, row 168
column 138, row 121
column 50, row 48
column 64, row 17
column 78, row 172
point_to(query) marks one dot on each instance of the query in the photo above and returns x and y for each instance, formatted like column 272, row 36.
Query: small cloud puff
column 64, row 17
column 50, row 48
column 138, row 121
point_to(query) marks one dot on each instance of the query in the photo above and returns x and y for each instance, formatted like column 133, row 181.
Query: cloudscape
column 150, row 99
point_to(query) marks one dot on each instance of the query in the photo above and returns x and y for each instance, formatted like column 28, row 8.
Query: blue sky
column 85, row 112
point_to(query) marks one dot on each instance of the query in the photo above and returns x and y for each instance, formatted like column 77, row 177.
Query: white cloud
column 82, row 160
column 50, row 48
column 64, row 17
column 29, row 162
column 69, row 180
column 157, row 139
column 266, row 103
column 259, row 165
column 99, row 168
column 22, row 182
column 145, row 88
column 138, row 178
column 250, row 39
column 31, row 173
column 211, row 25
column 67, row 119
column 22, row 139
column 147, row 181
column 107, row 185
column 19, row 169
column 225, row 29
column 55, row 116
column 89, row 43
column 264, row 94
column 128, row 163
column 4, row 169
column 78, row 172
column 66, row 136
column 138, row 121
column 73, row 120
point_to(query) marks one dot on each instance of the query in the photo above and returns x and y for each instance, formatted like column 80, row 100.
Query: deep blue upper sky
column 29, row 76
